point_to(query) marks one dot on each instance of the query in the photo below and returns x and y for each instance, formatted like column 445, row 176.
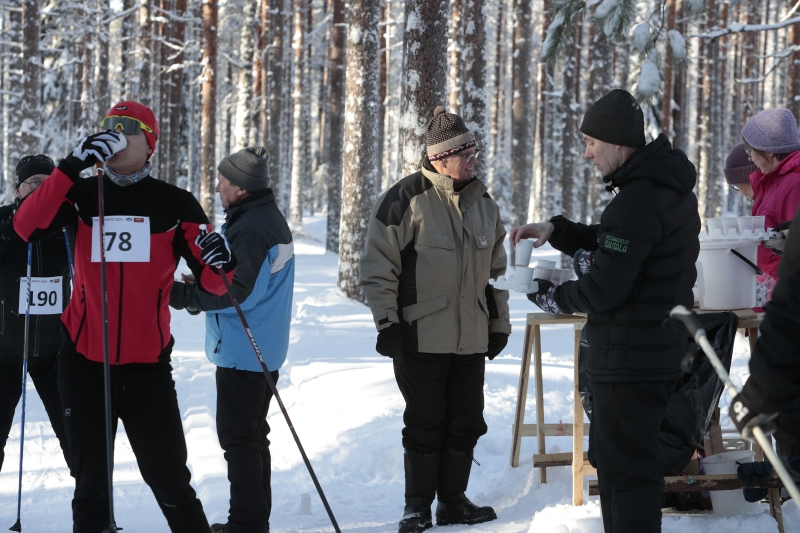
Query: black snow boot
column 454, row 507
column 422, row 470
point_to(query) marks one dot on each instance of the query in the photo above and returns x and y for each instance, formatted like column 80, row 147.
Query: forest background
column 340, row 92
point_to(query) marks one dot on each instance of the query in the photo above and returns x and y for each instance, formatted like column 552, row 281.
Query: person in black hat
column 633, row 267
column 49, row 260
column 264, row 284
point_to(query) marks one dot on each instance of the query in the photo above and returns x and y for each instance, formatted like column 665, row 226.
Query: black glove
column 497, row 341
column 544, row 297
column 214, row 250
column 754, row 473
column 745, row 418
column 582, row 261
column 94, row 148
column 389, row 342
column 178, row 298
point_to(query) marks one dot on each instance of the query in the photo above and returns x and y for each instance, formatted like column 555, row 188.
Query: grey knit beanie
column 446, row 135
column 738, row 167
column 247, row 169
column 773, row 131
column 615, row 118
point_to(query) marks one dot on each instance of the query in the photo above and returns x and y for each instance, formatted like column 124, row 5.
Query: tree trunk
column 263, row 57
column 680, row 124
column 455, row 47
column 88, row 119
column 287, row 129
column 29, row 110
column 474, row 69
column 12, row 80
column 793, row 85
column 383, row 70
column 522, row 114
column 336, row 139
column 360, row 158
column 298, row 136
column 276, row 99
column 571, row 170
column 208, row 125
column 178, row 39
column 244, row 86
column 424, row 88
column 143, row 44
column 602, row 81
column 666, row 102
column 126, row 37
column 103, row 103
column 498, row 179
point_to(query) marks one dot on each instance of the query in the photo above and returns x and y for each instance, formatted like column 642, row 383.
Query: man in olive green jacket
column 435, row 238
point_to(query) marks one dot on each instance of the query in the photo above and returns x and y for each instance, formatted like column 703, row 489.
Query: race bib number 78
column 125, row 239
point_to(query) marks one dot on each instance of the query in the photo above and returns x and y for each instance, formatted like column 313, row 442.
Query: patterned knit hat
column 446, row 135
column 738, row 167
column 773, row 131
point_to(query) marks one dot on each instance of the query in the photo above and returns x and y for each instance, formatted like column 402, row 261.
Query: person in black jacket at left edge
column 634, row 266
column 49, row 260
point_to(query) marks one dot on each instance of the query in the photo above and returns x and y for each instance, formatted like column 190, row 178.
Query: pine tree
column 522, row 114
column 474, row 82
column 336, row 124
column 298, row 136
column 30, row 109
column 276, row 122
column 208, row 124
column 244, row 102
column 360, row 157
column 424, row 85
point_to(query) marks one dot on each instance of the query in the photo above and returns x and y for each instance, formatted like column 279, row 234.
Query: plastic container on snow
column 724, row 280
column 729, row 501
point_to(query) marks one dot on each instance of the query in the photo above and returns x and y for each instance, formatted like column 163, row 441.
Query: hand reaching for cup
column 541, row 231
column 187, row 278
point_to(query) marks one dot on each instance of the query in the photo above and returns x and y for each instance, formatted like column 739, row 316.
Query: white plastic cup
column 545, row 263
column 523, row 280
column 714, row 224
column 543, row 273
column 305, row 504
column 524, row 251
column 728, row 502
column 759, row 224
column 728, row 224
column 746, row 224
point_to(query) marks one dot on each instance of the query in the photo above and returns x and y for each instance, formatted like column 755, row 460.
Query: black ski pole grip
column 689, row 320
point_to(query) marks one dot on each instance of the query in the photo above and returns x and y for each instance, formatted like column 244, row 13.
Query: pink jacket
column 777, row 198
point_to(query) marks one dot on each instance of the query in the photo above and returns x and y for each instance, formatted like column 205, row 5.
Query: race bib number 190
column 126, row 239
column 46, row 296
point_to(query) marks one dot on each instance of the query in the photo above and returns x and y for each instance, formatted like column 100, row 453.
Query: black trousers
column 242, row 404
column 444, row 400
column 623, row 446
column 143, row 397
column 42, row 370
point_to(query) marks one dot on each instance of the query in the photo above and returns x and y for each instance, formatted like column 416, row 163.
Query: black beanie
column 247, row 169
column 615, row 118
column 31, row 165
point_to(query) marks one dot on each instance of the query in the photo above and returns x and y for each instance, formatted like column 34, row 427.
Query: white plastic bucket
column 729, row 501
column 724, row 281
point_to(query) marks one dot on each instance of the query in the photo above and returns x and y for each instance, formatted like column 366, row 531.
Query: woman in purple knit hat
column 771, row 143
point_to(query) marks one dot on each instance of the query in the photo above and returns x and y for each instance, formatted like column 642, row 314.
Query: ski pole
column 273, row 388
column 112, row 524
column 69, row 255
column 18, row 525
column 695, row 328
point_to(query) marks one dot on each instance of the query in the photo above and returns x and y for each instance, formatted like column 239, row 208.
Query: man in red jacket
column 149, row 226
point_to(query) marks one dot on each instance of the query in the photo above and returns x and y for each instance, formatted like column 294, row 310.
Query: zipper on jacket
column 119, row 317
column 158, row 320
column 216, row 349
column 83, row 319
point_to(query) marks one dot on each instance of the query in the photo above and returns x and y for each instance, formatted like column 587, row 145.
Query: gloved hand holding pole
column 754, row 431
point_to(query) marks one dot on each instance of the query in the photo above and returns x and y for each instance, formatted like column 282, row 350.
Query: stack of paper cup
column 523, row 279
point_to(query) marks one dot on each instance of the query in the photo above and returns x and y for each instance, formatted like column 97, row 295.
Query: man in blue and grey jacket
column 262, row 243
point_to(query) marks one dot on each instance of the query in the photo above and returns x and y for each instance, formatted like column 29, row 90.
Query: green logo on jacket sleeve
column 616, row 244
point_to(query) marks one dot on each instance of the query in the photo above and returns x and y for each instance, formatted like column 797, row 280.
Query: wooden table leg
column 752, row 335
column 537, row 372
column 522, row 395
column 577, row 429
column 775, row 508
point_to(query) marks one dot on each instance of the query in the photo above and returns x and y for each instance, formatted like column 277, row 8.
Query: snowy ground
column 345, row 405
